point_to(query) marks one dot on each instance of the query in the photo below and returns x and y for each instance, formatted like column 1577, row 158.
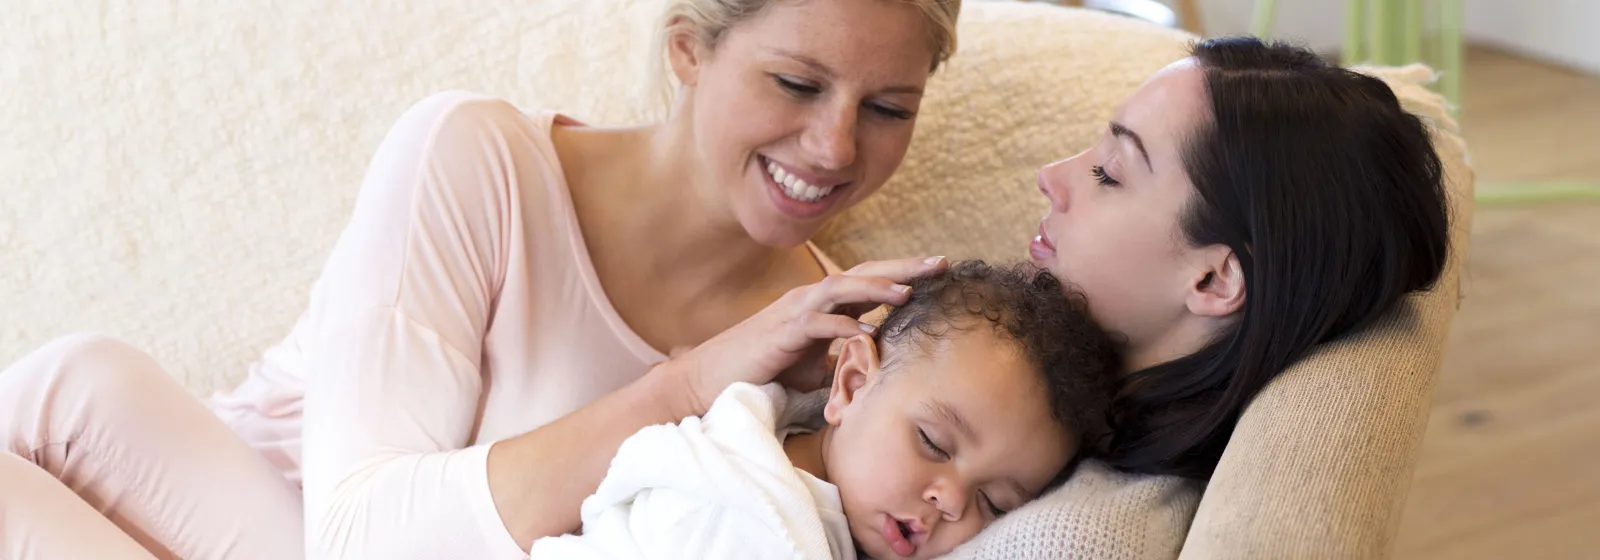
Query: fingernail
column 869, row 329
column 934, row 261
column 902, row 288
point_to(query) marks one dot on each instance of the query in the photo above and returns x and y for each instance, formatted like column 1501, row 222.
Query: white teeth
column 795, row 187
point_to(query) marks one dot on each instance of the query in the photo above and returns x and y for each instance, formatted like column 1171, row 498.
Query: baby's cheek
column 952, row 537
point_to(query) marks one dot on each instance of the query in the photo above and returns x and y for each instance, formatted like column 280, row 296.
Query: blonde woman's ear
column 685, row 52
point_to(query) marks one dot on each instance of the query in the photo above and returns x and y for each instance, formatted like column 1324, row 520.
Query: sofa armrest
column 1321, row 462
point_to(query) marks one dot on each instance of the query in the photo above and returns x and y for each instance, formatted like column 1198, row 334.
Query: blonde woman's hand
column 791, row 336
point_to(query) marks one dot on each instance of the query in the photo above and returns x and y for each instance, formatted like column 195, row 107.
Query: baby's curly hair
column 1048, row 321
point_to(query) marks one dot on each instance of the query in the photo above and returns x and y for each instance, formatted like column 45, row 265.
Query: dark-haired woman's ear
column 858, row 363
column 1217, row 287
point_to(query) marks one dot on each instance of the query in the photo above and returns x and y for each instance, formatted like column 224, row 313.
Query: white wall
column 1565, row 32
column 1318, row 24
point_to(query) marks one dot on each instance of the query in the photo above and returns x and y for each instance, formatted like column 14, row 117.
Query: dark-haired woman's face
column 1113, row 227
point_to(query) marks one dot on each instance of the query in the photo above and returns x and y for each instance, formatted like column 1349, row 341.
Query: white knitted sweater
column 1100, row 514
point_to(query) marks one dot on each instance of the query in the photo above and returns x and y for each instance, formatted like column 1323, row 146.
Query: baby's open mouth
column 897, row 534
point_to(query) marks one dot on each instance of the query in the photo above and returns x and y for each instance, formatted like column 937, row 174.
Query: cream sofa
column 175, row 171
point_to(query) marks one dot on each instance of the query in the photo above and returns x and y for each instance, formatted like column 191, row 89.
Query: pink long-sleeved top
column 459, row 307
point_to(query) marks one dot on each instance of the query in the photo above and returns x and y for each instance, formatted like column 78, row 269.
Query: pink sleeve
column 398, row 320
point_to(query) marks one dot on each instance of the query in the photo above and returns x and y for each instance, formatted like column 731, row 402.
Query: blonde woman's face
column 806, row 109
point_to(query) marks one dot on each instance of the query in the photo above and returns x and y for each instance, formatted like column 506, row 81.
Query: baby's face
column 930, row 452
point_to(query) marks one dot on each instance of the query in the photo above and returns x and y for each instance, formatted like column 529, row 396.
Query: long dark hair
column 1332, row 198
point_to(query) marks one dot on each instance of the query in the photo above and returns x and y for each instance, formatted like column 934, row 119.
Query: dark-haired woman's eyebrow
column 1118, row 130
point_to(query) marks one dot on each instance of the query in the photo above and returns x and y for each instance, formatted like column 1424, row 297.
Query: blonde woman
column 478, row 344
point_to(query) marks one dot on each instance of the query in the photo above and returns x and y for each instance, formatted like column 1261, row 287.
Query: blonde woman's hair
column 710, row 20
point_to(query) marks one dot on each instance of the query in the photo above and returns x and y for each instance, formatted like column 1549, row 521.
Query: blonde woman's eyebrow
column 827, row 72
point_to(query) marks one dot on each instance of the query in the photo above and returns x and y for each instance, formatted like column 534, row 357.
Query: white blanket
column 714, row 487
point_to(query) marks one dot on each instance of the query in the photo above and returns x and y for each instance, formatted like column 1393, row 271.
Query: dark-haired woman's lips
column 1042, row 249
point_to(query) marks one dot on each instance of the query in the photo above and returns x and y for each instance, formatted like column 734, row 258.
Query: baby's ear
column 858, row 362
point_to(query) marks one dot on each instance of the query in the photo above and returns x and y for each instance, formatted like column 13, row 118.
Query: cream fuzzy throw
column 174, row 172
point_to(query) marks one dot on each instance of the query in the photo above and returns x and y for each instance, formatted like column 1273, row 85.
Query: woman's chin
column 779, row 235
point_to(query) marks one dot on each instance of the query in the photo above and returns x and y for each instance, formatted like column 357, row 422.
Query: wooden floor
column 1510, row 467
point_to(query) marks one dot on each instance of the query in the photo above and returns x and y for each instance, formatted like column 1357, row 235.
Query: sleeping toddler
column 968, row 401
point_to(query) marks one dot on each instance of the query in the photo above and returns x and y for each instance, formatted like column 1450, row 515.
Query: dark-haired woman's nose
column 1053, row 181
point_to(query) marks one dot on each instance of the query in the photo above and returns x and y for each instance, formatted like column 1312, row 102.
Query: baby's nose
column 949, row 504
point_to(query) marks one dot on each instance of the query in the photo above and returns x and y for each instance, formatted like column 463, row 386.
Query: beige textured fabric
column 175, row 172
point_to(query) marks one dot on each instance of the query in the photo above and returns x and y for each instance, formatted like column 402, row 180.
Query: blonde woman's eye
column 796, row 87
column 890, row 111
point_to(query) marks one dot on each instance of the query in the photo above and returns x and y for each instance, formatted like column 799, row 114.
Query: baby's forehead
column 954, row 345
column 967, row 364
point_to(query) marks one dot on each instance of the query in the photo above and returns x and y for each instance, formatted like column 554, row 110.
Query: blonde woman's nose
column 830, row 140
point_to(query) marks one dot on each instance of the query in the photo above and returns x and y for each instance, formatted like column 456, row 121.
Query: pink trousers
column 105, row 457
